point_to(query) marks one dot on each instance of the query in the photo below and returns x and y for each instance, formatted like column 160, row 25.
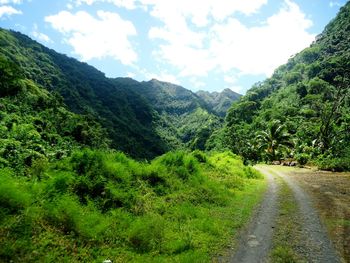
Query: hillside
column 126, row 117
column 36, row 126
column 219, row 102
column 185, row 120
column 142, row 119
column 305, row 102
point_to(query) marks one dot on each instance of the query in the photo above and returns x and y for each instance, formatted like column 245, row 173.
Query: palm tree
column 274, row 138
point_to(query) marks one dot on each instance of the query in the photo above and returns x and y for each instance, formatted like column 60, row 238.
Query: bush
column 13, row 196
column 302, row 158
column 58, row 184
column 251, row 173
column 334, row 164
column 70, row 217
column 181, row 163
column 200, row 156
column 87, row 162
column 147, row 233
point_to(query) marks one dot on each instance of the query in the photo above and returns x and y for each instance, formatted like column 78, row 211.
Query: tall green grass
column 180, row 207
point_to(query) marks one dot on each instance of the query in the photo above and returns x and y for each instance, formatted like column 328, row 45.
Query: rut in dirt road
column 319, row 248
column 256, row 242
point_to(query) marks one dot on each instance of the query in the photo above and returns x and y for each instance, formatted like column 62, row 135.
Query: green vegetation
column 36, row 127
column 95, row 205
column 64, row 187
column 220, row 102
column 186, row 120
column 126, row 117
column 142, row 119
column 309, row 96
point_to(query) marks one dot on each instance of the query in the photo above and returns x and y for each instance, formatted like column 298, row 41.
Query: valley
column 98, row 169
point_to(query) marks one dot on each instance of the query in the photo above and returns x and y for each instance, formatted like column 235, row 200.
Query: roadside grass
column 180, row 207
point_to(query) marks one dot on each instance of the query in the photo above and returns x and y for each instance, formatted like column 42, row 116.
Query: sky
column 199, row 44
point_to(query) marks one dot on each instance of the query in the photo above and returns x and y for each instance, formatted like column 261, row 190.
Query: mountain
column 36, row 126
column 185, row 119
column 142, row 119
column 308, row 98
column 127, row 118
column 219, row 102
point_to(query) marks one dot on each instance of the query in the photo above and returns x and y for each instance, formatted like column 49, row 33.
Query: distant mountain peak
column 219, row 102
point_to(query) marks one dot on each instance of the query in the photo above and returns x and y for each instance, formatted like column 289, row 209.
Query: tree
column 274, row 138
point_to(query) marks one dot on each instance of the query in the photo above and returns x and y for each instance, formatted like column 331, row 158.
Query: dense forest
column 303, row 111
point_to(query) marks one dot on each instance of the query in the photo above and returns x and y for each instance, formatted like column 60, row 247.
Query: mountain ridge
column 133, row 119
column 220, row 102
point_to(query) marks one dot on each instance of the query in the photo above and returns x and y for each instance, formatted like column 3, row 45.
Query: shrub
column 147, row 233
column 200, row 156
column 181, row 163
column 334, row 164
column 58, row 184
column 13, row 196
column 70, row 217
column 251, row 173
column 302, row 158
column 87, row 162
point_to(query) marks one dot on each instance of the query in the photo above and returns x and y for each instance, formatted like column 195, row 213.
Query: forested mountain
column 185, row 120
column 142, row 119
column 127, row 118
column 303, row 110
column 220, row 102
column 35, row 125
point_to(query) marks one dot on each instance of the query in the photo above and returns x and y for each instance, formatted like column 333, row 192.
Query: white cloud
column 104, row 36
column 131, row 75
column 8, row 11
column 259, row 50
column 128, row 4
column 196, row 83
column 230, row 79
column 200, row 12
column 194, row 37
column 163, row 76
column 334, row 4
column 237, row 89
column 40, row 36
column 4, row 2
column 229, row 45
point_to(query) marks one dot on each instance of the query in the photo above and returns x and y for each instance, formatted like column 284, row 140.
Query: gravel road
column 256, row 241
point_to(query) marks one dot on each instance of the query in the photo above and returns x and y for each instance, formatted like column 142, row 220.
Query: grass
column 181, row 207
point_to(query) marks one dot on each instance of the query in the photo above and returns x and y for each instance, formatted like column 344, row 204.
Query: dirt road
column 305, row 237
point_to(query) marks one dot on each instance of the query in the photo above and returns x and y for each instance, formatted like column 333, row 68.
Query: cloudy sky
column 199, row 44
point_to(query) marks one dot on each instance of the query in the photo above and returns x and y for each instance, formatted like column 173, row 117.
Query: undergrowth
column 95, row 205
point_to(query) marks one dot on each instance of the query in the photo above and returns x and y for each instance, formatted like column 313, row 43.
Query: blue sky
column 199, row 44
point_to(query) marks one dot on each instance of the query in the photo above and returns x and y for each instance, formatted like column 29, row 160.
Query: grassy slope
column 95, row 205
